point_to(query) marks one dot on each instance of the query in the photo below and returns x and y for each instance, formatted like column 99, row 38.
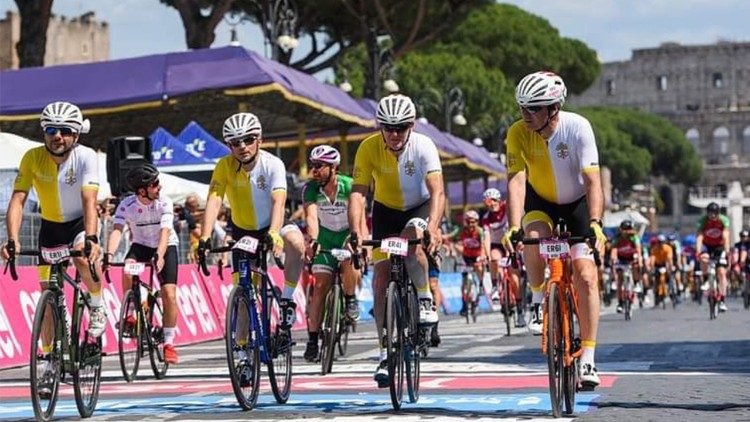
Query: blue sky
column 611, row 27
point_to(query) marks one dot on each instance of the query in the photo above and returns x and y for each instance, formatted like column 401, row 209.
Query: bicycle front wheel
column 329, row 329
column 154, row 334
column 411, row 346
column 555, row 350
column 87, row 377
column 570, row 373
column 243, row 357
column 280, row 365
column 395, row 345
column 506, row 303
column 46, row 357
column 129, row 338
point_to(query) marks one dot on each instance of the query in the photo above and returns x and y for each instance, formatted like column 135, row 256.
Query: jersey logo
column 261, row 182
column 562, row 150
column 70, row 177
column 410, row 168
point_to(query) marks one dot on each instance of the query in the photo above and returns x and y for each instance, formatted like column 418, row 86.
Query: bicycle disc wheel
column 154, row 330
column 87, row 377
column 395, row 344
column 128, row 341
column 279, row 347
column 506, row 304
column 570, row 373
column 411, row 346
column 243, row 357
column 328, row 330
column 46, row 331
column 554, row 350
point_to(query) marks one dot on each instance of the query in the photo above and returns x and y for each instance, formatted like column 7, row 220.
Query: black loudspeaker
column 123, row 154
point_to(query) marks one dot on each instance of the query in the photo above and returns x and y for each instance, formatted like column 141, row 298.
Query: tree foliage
column 200, row 19
column 32, row 44
column 636, row 145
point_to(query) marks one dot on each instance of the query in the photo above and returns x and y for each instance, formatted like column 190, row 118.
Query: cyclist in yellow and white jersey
column 553, row 172
column 406, row 171
column 255, row 183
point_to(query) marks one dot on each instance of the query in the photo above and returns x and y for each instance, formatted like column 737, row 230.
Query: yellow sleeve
column 25, row 175
column 218, row 186
column 514, row 154
column 363, row 164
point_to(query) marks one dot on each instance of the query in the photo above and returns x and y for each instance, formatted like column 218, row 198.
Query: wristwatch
column 597, row 221
column 92, row 238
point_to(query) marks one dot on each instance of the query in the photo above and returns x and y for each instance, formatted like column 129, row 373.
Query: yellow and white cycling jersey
column 249, row 193
column 554, row 167
column 59, row 188
column 399, row 182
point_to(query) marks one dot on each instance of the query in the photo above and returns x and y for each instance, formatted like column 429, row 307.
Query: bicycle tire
column 87, row 376
column 570, row 373
column 328, row 329
column 46, row 307
column 411, row 350
column 154, row 332
column 247, row 396
column 711, row 305
column 395, row 345
column 506, row 303
column 628, row 306
column 279, row 347
column 129, row 345
column 554, row 350
column 343, row 341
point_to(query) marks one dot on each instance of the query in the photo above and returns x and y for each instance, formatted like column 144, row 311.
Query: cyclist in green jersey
column 326, row 200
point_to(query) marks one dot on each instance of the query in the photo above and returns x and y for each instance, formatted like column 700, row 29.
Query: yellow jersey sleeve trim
column 90, row 187
column 590, row 169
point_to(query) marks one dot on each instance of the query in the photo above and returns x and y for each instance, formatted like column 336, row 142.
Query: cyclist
column 407, row 173
column 677, row 259
column 254, row 181
column 65, row 175
column 712, row 242
column 150, row 219
column 470, row 243
column 740, row 257
column 553, row 172
column 326, row 199
column 661, row 256
column 626, row 250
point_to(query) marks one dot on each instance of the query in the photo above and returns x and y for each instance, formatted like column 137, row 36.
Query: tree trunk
column 31, row 46
column 199, row 29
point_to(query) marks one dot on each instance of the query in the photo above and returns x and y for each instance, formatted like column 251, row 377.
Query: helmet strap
column 550, row 116
column 408, row 136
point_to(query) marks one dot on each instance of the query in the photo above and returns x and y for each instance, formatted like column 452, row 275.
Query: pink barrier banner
column 197, row 318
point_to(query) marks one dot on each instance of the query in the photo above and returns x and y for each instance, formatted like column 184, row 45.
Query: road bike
column 61, row 348
column 627, row 292
column 140, row 328
column 471, row 288
column 252, row 334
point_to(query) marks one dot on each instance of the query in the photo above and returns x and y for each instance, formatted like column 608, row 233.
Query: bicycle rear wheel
column 46, row 330
column 506, row 303
column 570, row 373
column 129, row 340
column 279, row 347
column 155, row 333
column 395, row 344
column 411, row 346
column 329, row 329
column 555, row 350
column 711, row 304
column 87, row 377
column 243, row 357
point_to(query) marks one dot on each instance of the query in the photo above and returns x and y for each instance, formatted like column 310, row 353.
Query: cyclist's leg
column 495, row 257
column 434, row 279
column 416, row 266
column 294, row 249
column 349, row 280
column 537, row 224
column 97, row 316
column 169, row 300
column 323, row 276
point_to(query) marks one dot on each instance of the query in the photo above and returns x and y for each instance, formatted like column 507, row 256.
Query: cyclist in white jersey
column 150, row 220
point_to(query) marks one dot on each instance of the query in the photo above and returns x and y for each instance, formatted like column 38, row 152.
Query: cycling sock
column 424, row 292
column 537, row 294
column 289, row 288
column 169, row 335
column 589, row 346
column 312, row 336
column 96, row 299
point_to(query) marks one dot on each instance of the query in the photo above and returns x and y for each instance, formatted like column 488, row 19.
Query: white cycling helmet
column 325, row 154
column 241, row 125
column 492, row 193
column 396, row 109
column 541, row 89
column 64, row 114
column 471, row 215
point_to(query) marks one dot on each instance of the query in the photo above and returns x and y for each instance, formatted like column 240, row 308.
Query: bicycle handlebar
column 572, row 240
column 11, row 262
column 106, row 264
column 264, row 244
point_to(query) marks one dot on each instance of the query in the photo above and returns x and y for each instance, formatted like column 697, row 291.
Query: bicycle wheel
column 347, row 325
column 570, row 373
column 628, row 305
column 506, row 303
column 555, row 350
column 280, row 349
column 46, row 361
column 243, row 355
column 395, row 345
column 128, row 340
column 87, row 377
column 711, row 304
column 329, row 329
column 411, row 346
column 155, row 335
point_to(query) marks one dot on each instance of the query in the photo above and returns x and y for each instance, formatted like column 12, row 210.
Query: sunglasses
column 65, row 131
column 396, row 128
column 471, row 221
column 532, row 109
column 154, row 184
column 316, row 165
column 249, row 140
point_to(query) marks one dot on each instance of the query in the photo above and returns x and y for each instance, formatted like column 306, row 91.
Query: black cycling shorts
column 53, row 234
column 143, row 253
column 389, row 222
column 575, row 214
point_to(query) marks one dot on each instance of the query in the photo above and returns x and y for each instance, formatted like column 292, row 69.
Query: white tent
column 13, row 147
column 615, row 218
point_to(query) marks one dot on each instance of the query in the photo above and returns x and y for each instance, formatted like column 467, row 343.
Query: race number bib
column 134, row 268
column 504, row 262
column 248, row 244
column 55, row 255
column 395, row 245
column 554, row 249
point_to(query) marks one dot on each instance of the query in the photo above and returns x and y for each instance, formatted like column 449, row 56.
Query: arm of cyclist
column 436, row 188
column 595, row 201
column 313, row 230
column 13, row 219
column 114, row 241
column 357, row 210
column 727, row 241
column 91, row 221
column 278, row 200
column 516, row 195
column 213, row 205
